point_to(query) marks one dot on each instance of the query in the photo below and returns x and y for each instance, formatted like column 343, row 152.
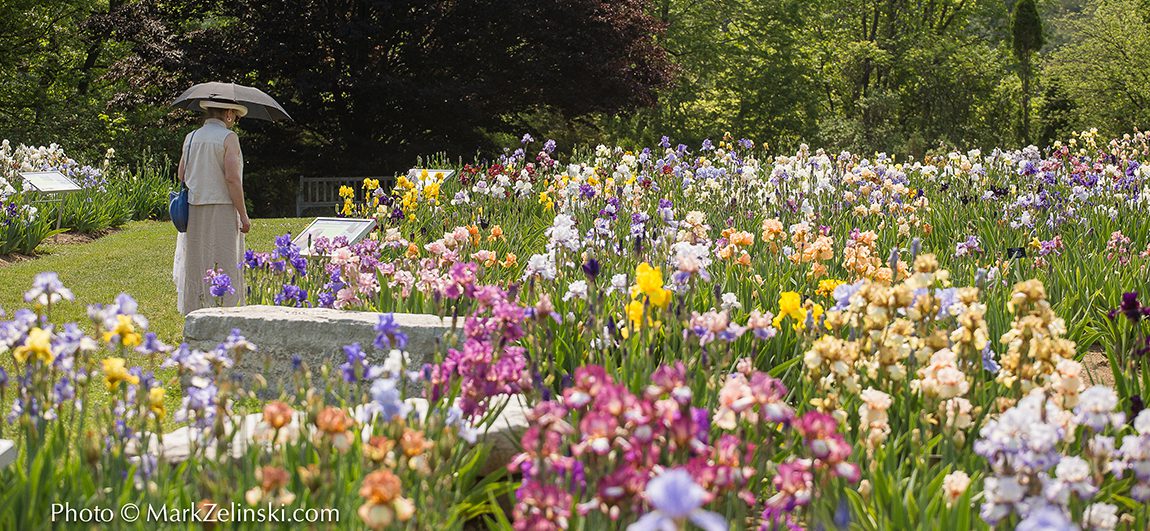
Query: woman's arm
column 183, row 155
column 233, row 176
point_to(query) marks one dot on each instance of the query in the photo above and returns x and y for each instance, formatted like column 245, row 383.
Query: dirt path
column 1098, row 367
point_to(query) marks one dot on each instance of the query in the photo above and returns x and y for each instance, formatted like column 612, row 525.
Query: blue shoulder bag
column 178, row 201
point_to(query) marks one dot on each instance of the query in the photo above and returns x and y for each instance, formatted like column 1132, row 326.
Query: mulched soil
column 1096, row 364
column 9, row 259
column 67, row 238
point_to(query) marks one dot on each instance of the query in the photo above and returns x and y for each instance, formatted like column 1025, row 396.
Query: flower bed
column 110, row 196
column 717, row 339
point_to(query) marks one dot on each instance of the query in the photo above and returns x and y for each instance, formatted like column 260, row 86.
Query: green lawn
column 136, row 260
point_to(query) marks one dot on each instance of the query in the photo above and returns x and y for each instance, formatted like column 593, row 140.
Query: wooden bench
column 323, row 192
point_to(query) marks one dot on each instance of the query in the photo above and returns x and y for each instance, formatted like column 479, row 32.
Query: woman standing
column 212, row 166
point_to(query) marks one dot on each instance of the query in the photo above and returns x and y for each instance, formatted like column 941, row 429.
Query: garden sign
column 353, row 229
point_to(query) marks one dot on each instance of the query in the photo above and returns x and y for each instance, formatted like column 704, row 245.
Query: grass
column 136, row 260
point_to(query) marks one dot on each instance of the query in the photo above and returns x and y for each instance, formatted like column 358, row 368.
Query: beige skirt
column 213, row 241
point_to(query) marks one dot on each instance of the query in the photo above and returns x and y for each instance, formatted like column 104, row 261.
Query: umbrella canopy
column 260, row 105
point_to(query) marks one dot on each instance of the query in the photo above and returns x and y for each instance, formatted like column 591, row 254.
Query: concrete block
column 317, row 335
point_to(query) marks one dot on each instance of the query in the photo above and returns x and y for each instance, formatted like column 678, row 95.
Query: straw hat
column 205, row 104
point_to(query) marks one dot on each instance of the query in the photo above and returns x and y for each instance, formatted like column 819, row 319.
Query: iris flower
column 676, row 497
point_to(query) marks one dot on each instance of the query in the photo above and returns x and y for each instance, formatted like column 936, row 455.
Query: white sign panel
column 353, row 229
column 415, row 174
column 49, row 181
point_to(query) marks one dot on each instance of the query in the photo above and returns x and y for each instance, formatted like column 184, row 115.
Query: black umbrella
column 260, row 105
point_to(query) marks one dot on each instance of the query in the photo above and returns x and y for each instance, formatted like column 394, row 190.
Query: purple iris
column 385, row 394
column 152, row 345
column 291, row 295
column 63, row 390
column 389, row 334
column 1131, row 308
column 356, row 363
column 1046, row 518
column 289, row 252
column 254, row 260
column 988, row 361
column 591, row 268
column 326, row 299
column 843, row 294
column 221, row 285
column 676, row 497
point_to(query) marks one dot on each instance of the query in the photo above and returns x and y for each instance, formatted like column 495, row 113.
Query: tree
column 1102, row 69
column 374, row 83
column 53, row 56
column 744, row 69
column 1026, row 29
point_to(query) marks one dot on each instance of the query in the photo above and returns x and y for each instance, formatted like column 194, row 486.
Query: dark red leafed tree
column 377, row 82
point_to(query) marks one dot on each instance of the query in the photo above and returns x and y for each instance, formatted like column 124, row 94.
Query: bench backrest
column 323, row 192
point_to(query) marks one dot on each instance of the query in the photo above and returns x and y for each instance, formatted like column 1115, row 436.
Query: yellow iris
column 635, row 313
column 370, row 184
column 431, row 191
column 126, row 332
column 38, row 344
column 648, row 278
column 649, row 281
column 156, row 402
column 791, row 303
column 827, row 286
column 115, row 371
column 346, row 192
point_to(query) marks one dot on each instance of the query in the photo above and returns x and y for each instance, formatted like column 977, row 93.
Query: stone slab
column 7, row 453
column 505, row 432
column 317, row 335
column 502, row 435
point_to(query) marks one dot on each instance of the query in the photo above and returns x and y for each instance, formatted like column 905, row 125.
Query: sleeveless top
column 204, row 164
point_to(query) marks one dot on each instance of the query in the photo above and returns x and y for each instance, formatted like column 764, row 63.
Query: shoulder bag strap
column 187, row 159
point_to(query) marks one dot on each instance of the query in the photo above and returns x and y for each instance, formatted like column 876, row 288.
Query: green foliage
column 143, row 192
column 1101, row 71
column 53, row 59
column 890, row 76
column 23, row 231
column 1026, row 28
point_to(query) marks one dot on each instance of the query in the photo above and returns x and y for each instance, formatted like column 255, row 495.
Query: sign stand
column 51, row 183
